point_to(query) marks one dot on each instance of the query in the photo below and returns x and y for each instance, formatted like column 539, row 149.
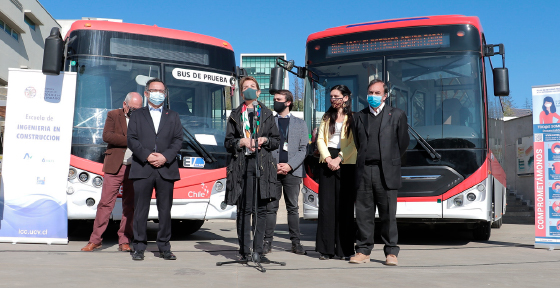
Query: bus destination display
column 389, row 43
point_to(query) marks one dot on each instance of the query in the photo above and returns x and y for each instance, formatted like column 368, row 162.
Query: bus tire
column 497, row 224
column 482, row 231
column 184, row 227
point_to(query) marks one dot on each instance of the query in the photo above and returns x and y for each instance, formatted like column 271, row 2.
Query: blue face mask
column 250, row 94
column 374, row 100
column 157, row 98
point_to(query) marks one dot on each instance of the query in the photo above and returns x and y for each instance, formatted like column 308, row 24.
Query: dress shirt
column 128, row 153
column 156, row 116
column 379, row 109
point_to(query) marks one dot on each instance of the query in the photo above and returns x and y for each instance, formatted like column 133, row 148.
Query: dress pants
column 109, row 192
column 143, row 189
column 246, row 207
column 290, row 185
column 335, row 228
column 372, row 193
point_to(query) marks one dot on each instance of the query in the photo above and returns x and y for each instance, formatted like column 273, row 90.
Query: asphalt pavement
column 431, row 256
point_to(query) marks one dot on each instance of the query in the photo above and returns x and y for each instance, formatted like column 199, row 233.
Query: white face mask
column 156, row 98
column 548, row 105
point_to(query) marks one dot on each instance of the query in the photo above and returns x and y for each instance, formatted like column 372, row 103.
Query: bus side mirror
column 276, row 79
column 501, row 81
column 54, row 53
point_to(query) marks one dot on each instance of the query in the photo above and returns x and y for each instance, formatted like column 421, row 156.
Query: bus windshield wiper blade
column 433, row 153
column 199, row 148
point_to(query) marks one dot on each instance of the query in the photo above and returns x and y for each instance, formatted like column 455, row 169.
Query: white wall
column 514, row 129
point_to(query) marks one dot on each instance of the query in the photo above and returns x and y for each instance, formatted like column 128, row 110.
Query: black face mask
column 130, row 110
column 279, row 106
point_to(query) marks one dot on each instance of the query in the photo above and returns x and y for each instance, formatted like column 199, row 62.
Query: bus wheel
column 183, row 227
column 481, row 231
column 497, row 224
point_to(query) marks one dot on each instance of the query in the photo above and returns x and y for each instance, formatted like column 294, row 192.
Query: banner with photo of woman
column 546, row 165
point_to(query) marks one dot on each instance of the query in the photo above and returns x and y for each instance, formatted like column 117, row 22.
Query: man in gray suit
column 289, row 156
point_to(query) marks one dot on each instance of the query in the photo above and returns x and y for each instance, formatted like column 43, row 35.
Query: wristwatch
column 341, row 158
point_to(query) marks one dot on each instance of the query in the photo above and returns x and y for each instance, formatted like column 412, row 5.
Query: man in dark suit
column 155, row 135
column 116, row 167
column 381, row 137
column 289, row 156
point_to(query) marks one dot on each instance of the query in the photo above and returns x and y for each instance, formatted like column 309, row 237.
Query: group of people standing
column 360, row 155
column 361, row 167
column 141, row 155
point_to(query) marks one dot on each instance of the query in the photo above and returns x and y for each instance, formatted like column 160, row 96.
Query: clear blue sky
column 530, row 31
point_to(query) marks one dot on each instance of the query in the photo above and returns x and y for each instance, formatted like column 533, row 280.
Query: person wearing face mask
column 335, row 142
column 289, row 156
column 116, row 167
column 548, row 115
column 381, row 140
column 251, row 117
column 155, row 135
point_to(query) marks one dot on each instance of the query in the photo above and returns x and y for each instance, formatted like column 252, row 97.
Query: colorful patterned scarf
column 245, row 119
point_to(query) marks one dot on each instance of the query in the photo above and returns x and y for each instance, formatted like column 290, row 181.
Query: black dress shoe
column 298, row 249
column 325, row 257
column 167, row 255
column 267, row 247
column 138, row 255
column 244, row 257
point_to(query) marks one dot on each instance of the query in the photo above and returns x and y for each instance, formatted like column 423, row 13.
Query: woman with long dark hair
column 549, row 112
column 335, row 230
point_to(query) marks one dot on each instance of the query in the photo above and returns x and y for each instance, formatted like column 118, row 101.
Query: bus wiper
column 199, row 148
column 433, row 153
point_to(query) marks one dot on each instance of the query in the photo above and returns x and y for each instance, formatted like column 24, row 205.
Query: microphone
column 255, row 103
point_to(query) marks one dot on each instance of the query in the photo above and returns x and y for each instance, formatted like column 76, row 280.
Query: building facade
column 259, row 66
column 25, row 25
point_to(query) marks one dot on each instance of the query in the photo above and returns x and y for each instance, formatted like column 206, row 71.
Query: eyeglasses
column 156, row 90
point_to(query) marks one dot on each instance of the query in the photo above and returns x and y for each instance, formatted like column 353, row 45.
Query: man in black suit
column 381, row 137
column 155, row 135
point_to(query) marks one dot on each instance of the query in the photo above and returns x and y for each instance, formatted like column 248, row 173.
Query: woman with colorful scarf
column 241, row 171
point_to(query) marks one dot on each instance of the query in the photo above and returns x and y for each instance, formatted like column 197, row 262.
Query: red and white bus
column 438, row 73
column 112, row 59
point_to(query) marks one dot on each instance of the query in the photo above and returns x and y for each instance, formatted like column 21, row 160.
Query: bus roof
column 397, row 23
column 147, row 30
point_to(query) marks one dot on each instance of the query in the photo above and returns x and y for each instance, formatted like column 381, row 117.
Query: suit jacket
column 393, row 141
column 298, row 138
column 347, row 146
column 114, row 134
column 143, row 140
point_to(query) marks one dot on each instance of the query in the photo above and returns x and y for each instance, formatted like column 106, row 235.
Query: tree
column 508, row 105
column 528, row 104
column 297, row 91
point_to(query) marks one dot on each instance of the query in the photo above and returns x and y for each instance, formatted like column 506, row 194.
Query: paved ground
column 430, row 257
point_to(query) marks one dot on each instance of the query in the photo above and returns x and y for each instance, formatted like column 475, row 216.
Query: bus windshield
column 441, row 94
column 103, row 84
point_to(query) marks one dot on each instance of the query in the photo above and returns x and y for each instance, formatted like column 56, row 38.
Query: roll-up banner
column 37, row 138
column 546, row 135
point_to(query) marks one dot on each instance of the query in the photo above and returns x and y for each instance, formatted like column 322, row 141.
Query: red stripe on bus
column 477, row 177
column 397, row 23
column 189, row 176
column 148, row 30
